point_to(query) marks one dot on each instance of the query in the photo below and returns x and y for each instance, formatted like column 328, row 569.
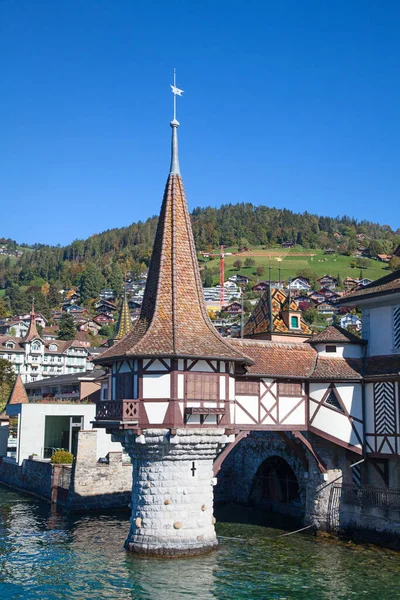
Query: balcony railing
column 117, row 410
column 370, row 496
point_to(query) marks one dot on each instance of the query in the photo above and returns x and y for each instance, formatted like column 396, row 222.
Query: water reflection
column 48, row 555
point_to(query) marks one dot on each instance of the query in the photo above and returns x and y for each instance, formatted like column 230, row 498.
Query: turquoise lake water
column 49, row 555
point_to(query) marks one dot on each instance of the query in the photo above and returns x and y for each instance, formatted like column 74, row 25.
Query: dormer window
column 294, row 322
column 330, row 349
column 10, row 345
column 36, row 347
column 53, row 347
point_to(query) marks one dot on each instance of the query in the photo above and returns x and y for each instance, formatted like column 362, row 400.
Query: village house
column 326, row 281
column 18, row 326
column 299, row 284
column 107, row 294
column 350, row 321
column 235, row 308
column 105, row 307
column 35, row 358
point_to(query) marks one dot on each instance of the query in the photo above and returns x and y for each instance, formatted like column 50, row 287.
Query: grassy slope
column 291, row 264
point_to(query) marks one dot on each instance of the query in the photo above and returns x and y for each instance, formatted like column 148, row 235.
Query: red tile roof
column 337, row 368
column 173, row 319
column 18, row 394
column 32, row 332
column 280, row 359
column 336, row 334
column 382, row 366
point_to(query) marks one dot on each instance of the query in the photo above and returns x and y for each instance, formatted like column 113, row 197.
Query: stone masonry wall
column 240, row 467
column 172, row 493
column 98, row 485
column 33, row 476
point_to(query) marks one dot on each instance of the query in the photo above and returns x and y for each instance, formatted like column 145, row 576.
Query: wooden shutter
column 247, row 388
column 290, row 388
column 202, row 386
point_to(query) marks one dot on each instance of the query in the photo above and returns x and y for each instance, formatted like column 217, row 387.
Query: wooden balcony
column 117, row 413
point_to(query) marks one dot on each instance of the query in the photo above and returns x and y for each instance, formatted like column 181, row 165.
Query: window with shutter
column 290, row 388
column 247, row 388
column 202, row 386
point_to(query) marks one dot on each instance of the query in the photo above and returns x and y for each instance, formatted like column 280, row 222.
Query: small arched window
column 10, row 345
column 53, row 347
column 36, row 346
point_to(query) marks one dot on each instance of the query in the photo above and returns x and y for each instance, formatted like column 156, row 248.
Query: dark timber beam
column 308, row 445
column 222, row 455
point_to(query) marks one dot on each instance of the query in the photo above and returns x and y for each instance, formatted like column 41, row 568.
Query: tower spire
column 173, row 320
column 175, row 170
column 124, row 321
column 32, row 330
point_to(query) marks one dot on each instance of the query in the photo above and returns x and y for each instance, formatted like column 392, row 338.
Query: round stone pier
column 172, row 491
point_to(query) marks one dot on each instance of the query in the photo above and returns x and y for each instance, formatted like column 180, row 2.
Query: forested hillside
column 115, row 251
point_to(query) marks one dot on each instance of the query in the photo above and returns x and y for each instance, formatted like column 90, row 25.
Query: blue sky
column 289, row 104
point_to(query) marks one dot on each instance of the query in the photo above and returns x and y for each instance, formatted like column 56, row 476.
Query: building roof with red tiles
column 173, row 320
column 337, row 368
column 278, row 359
column 267, row 315
column 18, row 394
column 336, row 334
column 61, row 346
column 385, row 286
column 382, row 366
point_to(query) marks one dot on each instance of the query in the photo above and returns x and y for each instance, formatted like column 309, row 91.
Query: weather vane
column 176, row 92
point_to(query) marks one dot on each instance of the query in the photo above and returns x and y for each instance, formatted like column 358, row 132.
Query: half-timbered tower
column 171, row 383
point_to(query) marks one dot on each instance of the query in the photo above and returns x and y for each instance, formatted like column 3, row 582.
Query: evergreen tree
column 207, row 278
column 116, row 280
column 7, row 379
column 53, row 297
column 67, row 329
column 91, row 283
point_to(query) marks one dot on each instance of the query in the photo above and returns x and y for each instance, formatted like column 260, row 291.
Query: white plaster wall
column 202, row 365
column 342, row 350
column 381, row 330
column 105, row 444
column 157, row 365
column 351, row 395
column 157, row 386
column 32, row 422
column 297, row 417
column 231, row 388
column 222, row 387
column 332, row 422
column 250, row 403
column 181, row 385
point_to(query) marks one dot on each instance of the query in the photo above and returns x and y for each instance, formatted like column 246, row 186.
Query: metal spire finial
column 175, row 170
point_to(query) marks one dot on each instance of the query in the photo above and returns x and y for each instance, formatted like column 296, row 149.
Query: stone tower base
column 172, row 491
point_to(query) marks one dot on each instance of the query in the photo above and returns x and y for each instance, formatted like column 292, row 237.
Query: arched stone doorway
column 276, row 488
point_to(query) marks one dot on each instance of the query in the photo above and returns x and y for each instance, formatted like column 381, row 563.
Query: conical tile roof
column 124, row 321
column 173, row 319
column 18, row 394
column 32, row 332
